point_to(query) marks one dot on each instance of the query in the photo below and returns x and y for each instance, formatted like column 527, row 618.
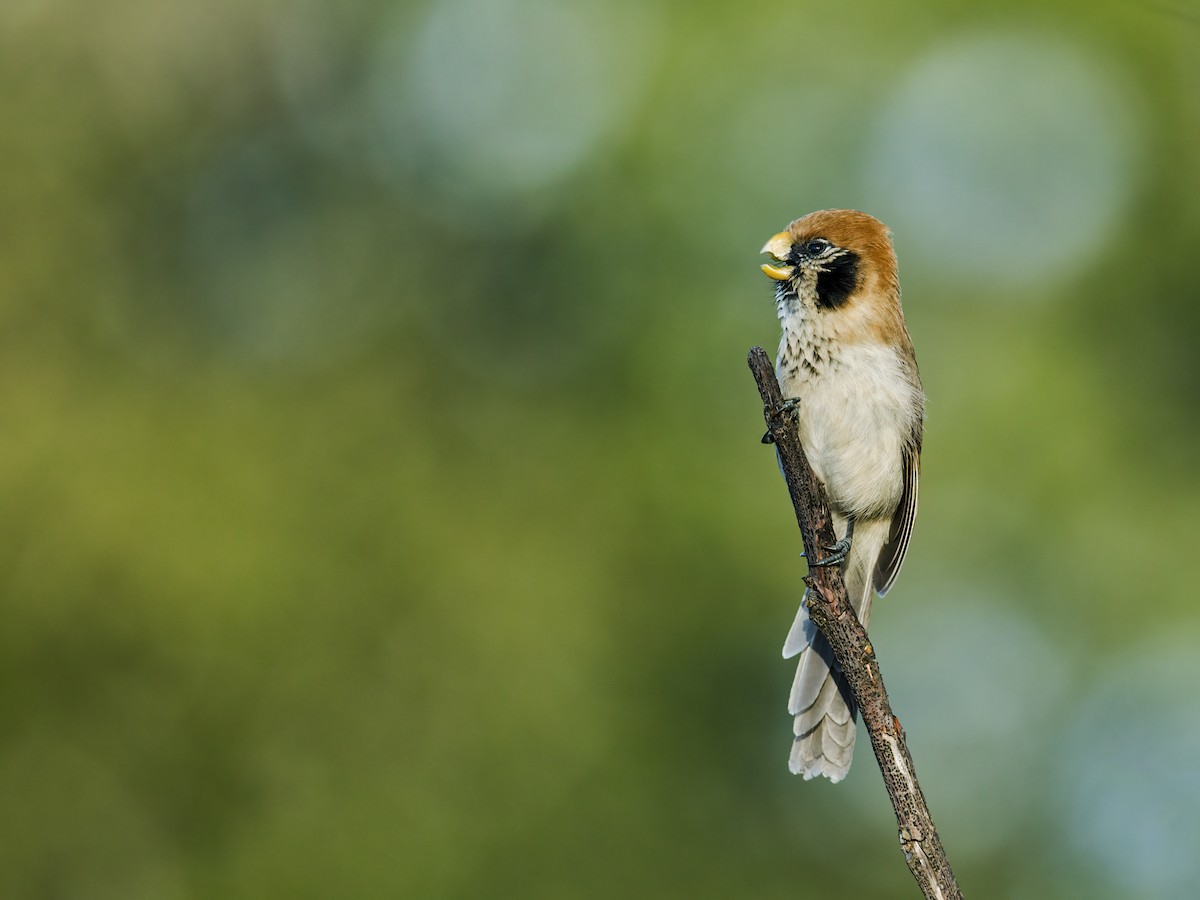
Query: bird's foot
column 785, row 409
column 839, row 551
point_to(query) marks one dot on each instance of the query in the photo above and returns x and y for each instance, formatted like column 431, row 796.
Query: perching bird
column 847, row 362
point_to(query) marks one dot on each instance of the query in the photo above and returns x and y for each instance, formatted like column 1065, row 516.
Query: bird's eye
column 818, row 247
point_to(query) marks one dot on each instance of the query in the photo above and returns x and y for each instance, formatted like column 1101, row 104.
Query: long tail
column 825, row 714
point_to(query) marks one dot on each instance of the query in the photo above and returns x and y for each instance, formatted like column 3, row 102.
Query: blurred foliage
column 384, row 511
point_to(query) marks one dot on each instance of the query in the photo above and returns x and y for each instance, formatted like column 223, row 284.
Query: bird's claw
column 840, row 549
column 786, row 408
column 837, row 554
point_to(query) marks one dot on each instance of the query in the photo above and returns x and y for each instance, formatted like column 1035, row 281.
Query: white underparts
column 859, row 407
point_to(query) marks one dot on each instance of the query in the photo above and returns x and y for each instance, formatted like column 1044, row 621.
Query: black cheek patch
column 838, row 281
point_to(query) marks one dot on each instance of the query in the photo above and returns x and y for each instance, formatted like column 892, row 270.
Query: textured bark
column 832, row 613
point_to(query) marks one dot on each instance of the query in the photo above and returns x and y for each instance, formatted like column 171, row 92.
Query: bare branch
column 834, row 616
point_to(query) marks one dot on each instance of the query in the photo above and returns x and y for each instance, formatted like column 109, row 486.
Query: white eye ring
column 819, row 247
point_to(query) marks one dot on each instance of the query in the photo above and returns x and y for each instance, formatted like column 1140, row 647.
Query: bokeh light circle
column 1128, row 770
column 1004, row 159
column 491, row 100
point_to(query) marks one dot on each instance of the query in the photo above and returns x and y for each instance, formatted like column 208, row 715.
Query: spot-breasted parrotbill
column 847, row 363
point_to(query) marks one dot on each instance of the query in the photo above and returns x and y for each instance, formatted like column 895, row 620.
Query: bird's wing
column 892, row 555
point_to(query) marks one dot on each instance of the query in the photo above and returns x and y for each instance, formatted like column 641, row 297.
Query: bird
column 847, row 367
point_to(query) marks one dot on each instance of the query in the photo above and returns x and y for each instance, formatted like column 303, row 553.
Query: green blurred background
column 383, row 508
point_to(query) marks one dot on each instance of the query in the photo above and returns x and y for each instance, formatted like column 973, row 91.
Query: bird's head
column 832, row 255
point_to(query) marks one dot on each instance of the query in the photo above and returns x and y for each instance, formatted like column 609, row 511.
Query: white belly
column 855, row 417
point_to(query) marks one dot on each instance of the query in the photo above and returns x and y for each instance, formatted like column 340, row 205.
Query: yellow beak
column 779, row 246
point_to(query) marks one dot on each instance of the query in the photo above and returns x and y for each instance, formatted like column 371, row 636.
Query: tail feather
column 816, row 657
column 803, row 631
column 825, row 715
